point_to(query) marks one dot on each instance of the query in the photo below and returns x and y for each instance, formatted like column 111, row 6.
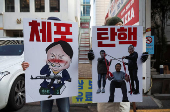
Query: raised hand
column 25, row 65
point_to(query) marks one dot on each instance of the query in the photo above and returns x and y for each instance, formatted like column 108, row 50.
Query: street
column 162, row 106
column 36, row 108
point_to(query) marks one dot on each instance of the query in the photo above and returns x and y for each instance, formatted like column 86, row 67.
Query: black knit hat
column 113, row 21
column 54, row 18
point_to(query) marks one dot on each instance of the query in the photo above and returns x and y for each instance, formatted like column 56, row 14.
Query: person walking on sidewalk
column 114, row 107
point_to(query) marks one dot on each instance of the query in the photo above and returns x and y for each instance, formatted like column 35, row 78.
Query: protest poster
column 117, row 74
column 51, row 49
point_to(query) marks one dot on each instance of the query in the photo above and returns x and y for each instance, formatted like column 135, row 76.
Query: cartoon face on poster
column 117, row 67
column 51, row 49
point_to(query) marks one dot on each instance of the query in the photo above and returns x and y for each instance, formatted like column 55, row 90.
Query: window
column 85, row 10
column 24, row 6
column 39, row 6
column 14, row 33
column 9, row 6
column 85, row 1
column 11, row 47
column 54, row 5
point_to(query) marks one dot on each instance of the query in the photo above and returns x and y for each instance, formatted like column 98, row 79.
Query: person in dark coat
column 133, row 68
column 102, row 70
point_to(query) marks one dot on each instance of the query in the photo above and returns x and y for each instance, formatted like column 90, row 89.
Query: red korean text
column 46, row 31
column 124, row 35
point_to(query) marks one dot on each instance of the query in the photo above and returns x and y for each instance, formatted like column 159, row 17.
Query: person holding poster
column 53, row 65
column 114, row 39
column 113, row 107
column 132, row 67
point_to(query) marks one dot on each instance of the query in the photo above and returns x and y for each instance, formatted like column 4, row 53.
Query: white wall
column 93, row 13
column 2, row 4
column 67, row 13
column 77, row 11
column 148, row 65
column 71, row 13
column 93, row 18
column 101, row 8
column 1, row 17
column 1, row 25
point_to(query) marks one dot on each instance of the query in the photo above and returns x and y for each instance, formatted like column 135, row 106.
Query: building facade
column 99, row 10
column 12, row 13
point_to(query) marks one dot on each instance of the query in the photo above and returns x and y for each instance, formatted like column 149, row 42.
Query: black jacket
column 132, row 60
column 101, row 66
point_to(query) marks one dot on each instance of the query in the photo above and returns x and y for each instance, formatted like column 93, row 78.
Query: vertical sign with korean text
column 51, row 49
column 84, row 92
column 110, row 44
column 150, row 44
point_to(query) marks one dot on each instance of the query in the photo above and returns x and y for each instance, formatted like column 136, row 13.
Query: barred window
column 39, row 6
column 85, row 10
column 9, row 6
column 54, row 5
column 24, row 6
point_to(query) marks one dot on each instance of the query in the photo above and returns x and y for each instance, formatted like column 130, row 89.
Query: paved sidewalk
column 36, row 108
column 85, row 70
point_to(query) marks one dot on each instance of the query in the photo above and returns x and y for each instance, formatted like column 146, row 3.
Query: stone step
column 82, row 45
column 148, row 103
column 80, row 58
column 153, row 70
column 154, row 73
column 85, row 40
column 84, row 61
column 85, row 33
column 83, row 56
column 162, row 96
column 83, row 52
column 85, row 37
column 165, row 76
column 84, row 48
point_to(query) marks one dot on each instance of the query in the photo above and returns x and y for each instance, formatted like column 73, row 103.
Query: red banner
column 84, row 25
column 107, row 15
column 130, row 13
